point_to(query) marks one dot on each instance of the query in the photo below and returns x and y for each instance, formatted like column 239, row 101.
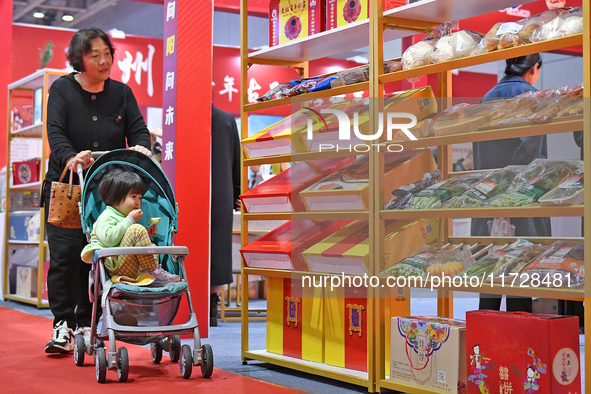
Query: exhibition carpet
column 25, row 368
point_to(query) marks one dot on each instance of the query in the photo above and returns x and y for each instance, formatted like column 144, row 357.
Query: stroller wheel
column 122, row 364
column 100, row 365
column 79, row 350
column 186, row 363
column 156, row 351
column 207, row 360
column 175, row 348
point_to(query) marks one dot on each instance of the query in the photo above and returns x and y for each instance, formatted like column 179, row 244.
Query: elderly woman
column 86, row 111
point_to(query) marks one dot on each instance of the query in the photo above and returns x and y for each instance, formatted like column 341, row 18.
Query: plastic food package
column 509, row 34
column 569, row 192
column 456, row 45
column 419, row 54
column 433, row 261
column 435, row 195
column 495, row 183
column 280, row 90
column 464, row 118
column 562, row 265
column 402, row 197
column 534, row 181
column 562, row 25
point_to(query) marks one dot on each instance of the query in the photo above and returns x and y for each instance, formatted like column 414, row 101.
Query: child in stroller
column 117, row 225
column 154, row 307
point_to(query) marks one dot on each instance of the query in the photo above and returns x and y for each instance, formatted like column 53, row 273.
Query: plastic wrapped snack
column 456, row 45
column 562, row 25
column 559, row 107
column 569, row 192
column 435, row 195
column 432, row 261
column 495, row 183
column 562, row 265
column 419, row 54
column 534, row 181
column 402, row 196
column 512, row 260
column 464, row 118
column 280, row 90
column 509, row 34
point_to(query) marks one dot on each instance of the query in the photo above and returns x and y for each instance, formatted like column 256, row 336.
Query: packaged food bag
column 434, row 196
column 455, row 45
column 419, row 54
column 561, row 266
column 563, row 24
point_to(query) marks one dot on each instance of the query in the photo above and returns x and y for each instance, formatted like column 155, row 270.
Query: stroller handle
column 119, row 251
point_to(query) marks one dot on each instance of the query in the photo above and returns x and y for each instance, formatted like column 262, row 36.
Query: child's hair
column 117, row 184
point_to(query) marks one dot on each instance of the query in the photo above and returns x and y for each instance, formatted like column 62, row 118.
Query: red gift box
column 519, row 352
column 25, row 171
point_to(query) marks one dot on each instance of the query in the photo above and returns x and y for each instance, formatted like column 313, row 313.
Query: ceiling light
column 67, row 18
column 38, row 15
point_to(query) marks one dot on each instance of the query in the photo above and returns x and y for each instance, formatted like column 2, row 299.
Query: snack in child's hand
column 155, row 220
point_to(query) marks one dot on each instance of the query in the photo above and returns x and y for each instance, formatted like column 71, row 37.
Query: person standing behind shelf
column 521, row 74
column 86, row 111
column 225, row 193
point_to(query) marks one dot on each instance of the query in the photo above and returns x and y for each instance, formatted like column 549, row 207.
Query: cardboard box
column 24, row 226
column 345, row 343
column 293, row 19
column 282, row 248
column 281, row 193
column 419, row 102
column 295, row 319
column 26, row 281
column 343, row 12
column 347, row 250
column 348, row 188
column 429, row 352
column 25, row 172
column 522, row 352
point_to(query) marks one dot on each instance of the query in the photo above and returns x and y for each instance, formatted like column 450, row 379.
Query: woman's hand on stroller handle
column 142, row 149
column 84, row 157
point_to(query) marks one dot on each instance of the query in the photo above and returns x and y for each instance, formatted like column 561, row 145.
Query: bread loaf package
column 419, row 54
column 565, row 23
column 456, row 45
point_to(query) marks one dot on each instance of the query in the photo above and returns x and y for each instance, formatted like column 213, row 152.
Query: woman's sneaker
column 162, row 277
column 61, row 341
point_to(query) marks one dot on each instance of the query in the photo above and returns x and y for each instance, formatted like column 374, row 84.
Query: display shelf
column 289, row 273
column 32, row 131
column 294, row 157
column 33, row 186
column 31, row 81
column 17, row 242
column 542, row 46
column 356, row 87
column 554, row 126
column 343, row 374
column 483, row 212
column 356, row 35
column 28, row 300
column 337, row 215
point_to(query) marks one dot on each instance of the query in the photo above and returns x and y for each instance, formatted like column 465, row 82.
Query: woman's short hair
column 80, row 45
column 118, row 183
column 522, row 64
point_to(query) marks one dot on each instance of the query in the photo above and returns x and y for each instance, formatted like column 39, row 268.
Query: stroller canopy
column 159, row 200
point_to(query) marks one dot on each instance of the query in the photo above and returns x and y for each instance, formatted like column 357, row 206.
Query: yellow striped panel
column 275, row 305
column 313, row 325
column 334, row 340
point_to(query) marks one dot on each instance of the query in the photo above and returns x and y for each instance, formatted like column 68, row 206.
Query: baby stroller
column 135, row 314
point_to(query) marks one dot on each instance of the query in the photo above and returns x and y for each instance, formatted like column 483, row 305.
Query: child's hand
column 152, row 230
column 136, row 214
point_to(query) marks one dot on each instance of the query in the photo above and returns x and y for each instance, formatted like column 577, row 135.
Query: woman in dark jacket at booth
column 521, row 74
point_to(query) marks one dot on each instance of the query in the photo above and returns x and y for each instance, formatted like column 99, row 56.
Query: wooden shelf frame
column 379, row 28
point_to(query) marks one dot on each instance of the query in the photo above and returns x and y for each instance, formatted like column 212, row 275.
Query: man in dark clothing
column 520, row 75
column 225, row 192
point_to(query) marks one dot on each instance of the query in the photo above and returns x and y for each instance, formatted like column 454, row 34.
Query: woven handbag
column 63, row 203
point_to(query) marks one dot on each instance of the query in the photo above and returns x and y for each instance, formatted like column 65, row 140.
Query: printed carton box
column 293, row 19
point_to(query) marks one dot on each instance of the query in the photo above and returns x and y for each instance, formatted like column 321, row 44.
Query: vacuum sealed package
column 562, row 266
column 495, row 183
column 433, row 261
column 464, row 118
column 534, row 181
column 436, row 195
column 569, row 192
column 281, row 90
column 455, row 45
column 402, row 196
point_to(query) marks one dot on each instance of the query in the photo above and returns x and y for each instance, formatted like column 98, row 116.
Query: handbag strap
column 70, row 183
